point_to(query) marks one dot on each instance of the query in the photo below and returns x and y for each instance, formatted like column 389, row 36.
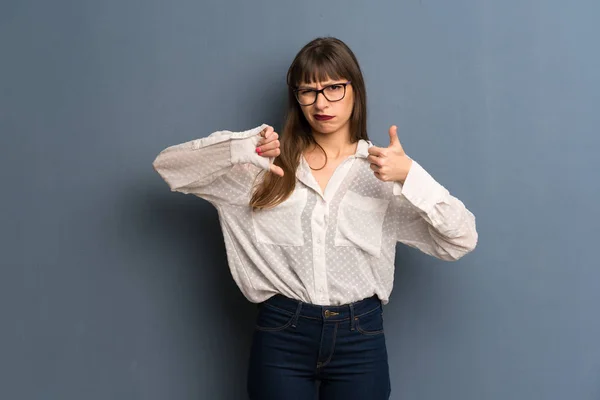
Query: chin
column 325, row 128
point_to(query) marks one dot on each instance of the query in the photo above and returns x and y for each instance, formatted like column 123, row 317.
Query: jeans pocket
column 371, row 323
column 273, row 319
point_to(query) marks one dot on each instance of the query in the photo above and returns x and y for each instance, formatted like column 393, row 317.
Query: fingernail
column 258, row 150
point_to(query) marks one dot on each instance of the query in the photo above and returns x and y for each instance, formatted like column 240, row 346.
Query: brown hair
column 319, row 60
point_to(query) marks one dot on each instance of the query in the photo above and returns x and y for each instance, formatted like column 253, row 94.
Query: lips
column 320, row 117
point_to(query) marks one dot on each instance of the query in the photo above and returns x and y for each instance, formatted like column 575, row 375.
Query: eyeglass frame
column 322, row 91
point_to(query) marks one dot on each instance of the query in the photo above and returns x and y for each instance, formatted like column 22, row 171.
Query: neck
column 336, row 145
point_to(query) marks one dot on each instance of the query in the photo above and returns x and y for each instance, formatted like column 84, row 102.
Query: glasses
column 334, row 92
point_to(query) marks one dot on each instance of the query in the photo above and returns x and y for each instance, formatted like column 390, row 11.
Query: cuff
column 420, row 188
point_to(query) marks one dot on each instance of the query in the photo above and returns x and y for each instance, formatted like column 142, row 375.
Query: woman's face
column 325, row 116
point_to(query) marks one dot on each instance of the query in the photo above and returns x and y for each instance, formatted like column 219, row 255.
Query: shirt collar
column 362, row 150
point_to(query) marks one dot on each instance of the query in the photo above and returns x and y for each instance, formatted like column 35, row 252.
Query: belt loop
column 295, row 320
column 351, row 316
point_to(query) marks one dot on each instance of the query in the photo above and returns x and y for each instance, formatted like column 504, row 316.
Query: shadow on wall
column 188, row 249
column 180, row 264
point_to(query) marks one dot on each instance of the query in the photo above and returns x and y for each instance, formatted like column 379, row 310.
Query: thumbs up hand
column 390, row 164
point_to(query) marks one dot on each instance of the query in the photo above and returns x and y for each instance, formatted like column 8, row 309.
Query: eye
column 334, row 88
column 304, row 92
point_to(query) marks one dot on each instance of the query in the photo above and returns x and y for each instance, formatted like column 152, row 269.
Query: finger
column 276, row 170
column 269, row 132
column 381, row 176
column 375, row 167
column 272, row 137
column 265, row 131
column 375, row 160
column 394, row 135
column 270, row 153
column 376, row 151
column 268, row 146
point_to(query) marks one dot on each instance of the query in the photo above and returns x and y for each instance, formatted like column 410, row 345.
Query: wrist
column 405, row 171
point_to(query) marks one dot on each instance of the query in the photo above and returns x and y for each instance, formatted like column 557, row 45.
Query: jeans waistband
column 326, row 313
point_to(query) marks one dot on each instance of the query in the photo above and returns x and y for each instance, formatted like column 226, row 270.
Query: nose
column 321, row 101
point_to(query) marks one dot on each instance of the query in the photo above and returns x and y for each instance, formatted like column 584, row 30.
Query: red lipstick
column 320, row 117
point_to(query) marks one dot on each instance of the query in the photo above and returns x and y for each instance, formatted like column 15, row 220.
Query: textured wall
column 111, row 287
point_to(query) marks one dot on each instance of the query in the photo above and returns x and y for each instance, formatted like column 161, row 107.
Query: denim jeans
column 296, row 345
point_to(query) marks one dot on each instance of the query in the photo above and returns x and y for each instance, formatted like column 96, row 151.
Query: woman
column 310, row 221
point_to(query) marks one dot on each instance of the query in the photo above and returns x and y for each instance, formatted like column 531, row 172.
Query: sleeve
column 430, row 219
column 219, row 168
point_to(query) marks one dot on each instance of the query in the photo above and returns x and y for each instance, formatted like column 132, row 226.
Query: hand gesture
column 268, row 146
column 390, row 163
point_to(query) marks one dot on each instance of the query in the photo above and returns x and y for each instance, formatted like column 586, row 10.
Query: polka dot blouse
column 326, row 248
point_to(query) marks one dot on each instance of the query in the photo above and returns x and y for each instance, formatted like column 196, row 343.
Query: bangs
column 317, row 66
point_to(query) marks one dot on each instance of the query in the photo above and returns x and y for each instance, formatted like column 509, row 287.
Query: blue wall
column 112, row 287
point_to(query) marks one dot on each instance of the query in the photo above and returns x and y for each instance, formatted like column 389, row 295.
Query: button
column 319, row 240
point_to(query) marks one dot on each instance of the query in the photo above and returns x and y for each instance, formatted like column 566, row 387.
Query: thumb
column 276, row 170
column 394, row 136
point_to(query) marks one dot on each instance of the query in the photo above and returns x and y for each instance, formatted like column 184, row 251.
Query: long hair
column 319, row 60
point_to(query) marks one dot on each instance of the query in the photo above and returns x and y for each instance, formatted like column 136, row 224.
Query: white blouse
column 326, row 248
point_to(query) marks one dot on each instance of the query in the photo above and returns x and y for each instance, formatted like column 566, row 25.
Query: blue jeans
column 296, row 345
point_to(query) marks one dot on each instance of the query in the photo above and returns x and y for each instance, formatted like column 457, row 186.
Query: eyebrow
column 329, row 84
